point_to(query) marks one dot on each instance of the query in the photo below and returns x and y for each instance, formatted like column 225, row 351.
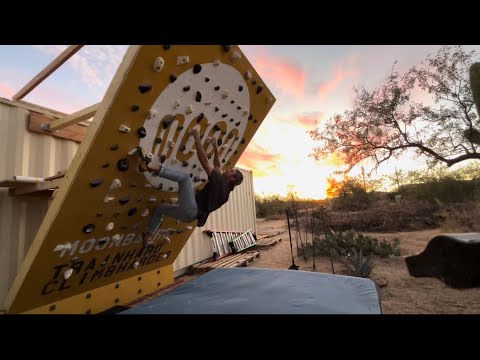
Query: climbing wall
column 90, row 237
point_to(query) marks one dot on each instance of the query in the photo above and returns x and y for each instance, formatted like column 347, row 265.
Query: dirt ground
column 402, row 294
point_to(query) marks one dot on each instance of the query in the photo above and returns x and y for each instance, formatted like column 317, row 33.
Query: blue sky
column 310, row 83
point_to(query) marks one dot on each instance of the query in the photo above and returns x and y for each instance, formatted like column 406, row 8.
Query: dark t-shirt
column 212, row 196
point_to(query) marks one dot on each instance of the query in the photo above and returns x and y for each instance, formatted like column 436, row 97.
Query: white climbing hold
column 207, row 103
column 176, row 104
column 236, row 56
column 224, row 147
column 166, row 240
column 61, row 247
column 108, row 199
column 116, row 237
column 192, row 151
column 173, row 161
column 67, row 274
column 158, row 64
column 134, row 151
column 150, row 156
column 216, row 62
column 173, row 200
column 145, row 213
column 269, row 99
column 226, row 94
column 109, row 226
column 152, row 114
column 248, row 75
column 148, row 186
column 116, row 183
column 245, row 112
column 171, row 144
column 135, row 265
column 165, row 256
column 183, row 60
column 152, row 200
column 189, row 227
column 124, row 129
column 189, row 109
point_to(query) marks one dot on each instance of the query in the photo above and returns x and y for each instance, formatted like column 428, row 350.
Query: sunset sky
column 310, row 82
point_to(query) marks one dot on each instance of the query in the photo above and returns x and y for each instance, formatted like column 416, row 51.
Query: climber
column 193, row 206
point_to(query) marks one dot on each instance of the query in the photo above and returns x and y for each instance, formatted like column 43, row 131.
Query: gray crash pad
column 267, row 291
column 451, row 258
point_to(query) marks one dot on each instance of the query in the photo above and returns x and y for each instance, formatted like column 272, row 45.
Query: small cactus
column 358, row 264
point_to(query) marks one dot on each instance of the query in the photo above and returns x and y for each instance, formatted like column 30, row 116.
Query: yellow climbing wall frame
column 89, row 239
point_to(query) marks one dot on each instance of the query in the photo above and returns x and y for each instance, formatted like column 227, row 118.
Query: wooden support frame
column 74, row 118
column 47, row 71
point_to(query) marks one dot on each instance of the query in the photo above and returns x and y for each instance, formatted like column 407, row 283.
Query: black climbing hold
column 191, row 175
column 200, row 117
column 237, row 123
column 52, row 307
column 240, row 87
column 237, row 138
column 124, row 227
column 207, row 79
column 243, row 141
column 141, row 132
column 254, row 82
column 224, row 115
column 168, row 122
column 166, row 47
column 163, row 158
column 229, row 150
column 232, row 102
column 254, row 121
column 194, row 166
column 122, row 164
column 239, row 108
column 114, row 147
column 235, row 152
column 232, row 120
column 160, row 187
column 105, row 165
column 184, row 163
column 145, row 88
column 88, row 228
column 209, row 156
column 180, row 128
column 217, row 88
column 230, row 135
column 219, row 142
column 227, row 48
column 197, row 68
column 196, row 179
column 124, row 200
column 216, row 108
column 170, row 188
column 133, row 185
column 96, row 182
column 250, row 117
column 186, row 88
column 182, row 148
column 135, row 108
column 88, row 296
column 198, row 97
column 132, row 211
column 204, row 180
column 223, row 160
column 172, row 78
column 116, row 214
column 99, row 214
column 259, row 89
column 216, row 128
column 224, row 132
column 158, row 140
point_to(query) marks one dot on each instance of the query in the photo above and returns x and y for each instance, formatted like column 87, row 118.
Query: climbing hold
column 200, row 117
column 219, row 142
column 216, row 128
column 152, row 114
column 166, row 240
column 170, row 188
column 116, row 183
column 216, row 63
column 259, row 89
column 254, row 82
column 160, row 187
column 254, row 121
column 189, row 227
column 227, row 48
column 224, row 115
column 191, row 175
column 114, row 147
column 99, row 214
column 144, row 88
column 67, row 274
column 145, row 213
column 108, row 199
column 122, row 164
column 245, row 112
column 225, row 94
column 236, row 56
column 230, row 135
column 192, row 151
column 152, row 199
column 171, row 144
column 229, row 150
column 88, row 228
column 135, row 108
column 116, row 237
column 237, row 138
column 158, row 64
column 124, row 129
column 197, row 68
column 232, row 102
column 172, row 78
column 239, row 108
column 189, row 109
column 243, row 141
column 223, row 160
column 141, row 132
column 148, row 186
column 217, row 88
column 166, row 47
column 250, row 117
column 162, row 158
column 136, row 264
column 194, row 166
column 232, row 120
column 133, row 151
column 124, row 200
column 96, row 182
column 158, row 140
column 240, row 87
column 183, row 60
column 182, row 148
column 237, row 123
column 186, row 88
column 224, row 132
column 216, row 108
column 198, row 97
column 176, row 104
column 248, row 75
column 133, row 185
column 109, row 226
column 116, row 214
column 132, row 211
column 196, row 179
column 164, row 256
column 105, row 165
column 184, row 163
column 269, row 99
column 207, row 79
column 207, row 103
column 168, row 122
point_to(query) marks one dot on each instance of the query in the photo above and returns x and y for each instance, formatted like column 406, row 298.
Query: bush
column 357, row 264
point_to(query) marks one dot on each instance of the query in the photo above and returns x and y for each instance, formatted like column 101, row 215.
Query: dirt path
column 403, row 293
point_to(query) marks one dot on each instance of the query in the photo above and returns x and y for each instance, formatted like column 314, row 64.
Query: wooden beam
column 74, row 118
column 33, row 107
column 41, row 186
column 42, row 75
column 73, row 132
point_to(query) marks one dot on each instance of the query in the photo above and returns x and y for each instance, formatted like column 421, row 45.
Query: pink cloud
column 282, row 73
column 308, row 121
column 339, row 75
column 6, row 90
column 254, row 155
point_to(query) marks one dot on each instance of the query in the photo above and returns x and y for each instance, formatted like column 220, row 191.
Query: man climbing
column 191, row 206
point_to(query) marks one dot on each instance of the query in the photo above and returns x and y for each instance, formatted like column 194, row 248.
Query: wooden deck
column 236, row 260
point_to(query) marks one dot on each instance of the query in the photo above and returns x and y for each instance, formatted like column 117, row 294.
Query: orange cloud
column 339, row 75
column 259, row 160
column 6, row 90
column 282, row 73
column 308, row 121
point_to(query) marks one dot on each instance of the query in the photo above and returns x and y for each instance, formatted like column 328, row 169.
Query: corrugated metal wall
column 30, row 154
column 238, row 214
